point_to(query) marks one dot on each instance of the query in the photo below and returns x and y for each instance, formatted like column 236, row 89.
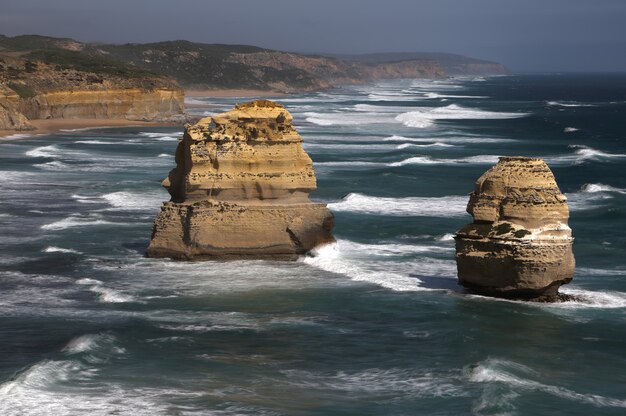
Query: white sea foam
column 459, row 140
column 44, row 151
column 427, row 160
column 592, row 299
column 154, row 135
column 331, row 258
column 68, row 387
column 92, row 142
column 375, row 265
column 570, row 129
column 16, row 136
column 359, row 147
column 88, row 343
column 348, row 118
column 599, row 187
column 351, row 163
column 435, row 95
column 53, row 249
column 84, row 199
column 446, row 237
column 568, row 104
column 580, row 201
column 75, row 221
column 446, row 206
column 107, row 295
column 165, row 155
column 583, row 154
column 377, row 381
column 88, row 281
column 425, row 117
column 135, row 201
column 413, row 145
column 521, row 378
column 389, row 96
column 55, row 165
column 195, row 101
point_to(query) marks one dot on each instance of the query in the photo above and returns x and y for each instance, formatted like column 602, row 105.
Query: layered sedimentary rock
column 520, row 244
column 62, row 83
column 158, row 104
column 241, row 189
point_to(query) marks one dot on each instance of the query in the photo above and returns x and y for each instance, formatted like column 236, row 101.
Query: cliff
column 519, row 244
column 10, row 116
column 198, row 65
column 241, row 189
column 59, row 83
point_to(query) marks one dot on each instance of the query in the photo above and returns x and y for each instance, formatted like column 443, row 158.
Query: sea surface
column 374, row 325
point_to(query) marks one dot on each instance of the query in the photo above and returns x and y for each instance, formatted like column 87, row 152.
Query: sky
column 525, row 35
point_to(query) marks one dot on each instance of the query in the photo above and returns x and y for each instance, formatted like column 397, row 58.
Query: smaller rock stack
column 241, row 189
column 519, row 245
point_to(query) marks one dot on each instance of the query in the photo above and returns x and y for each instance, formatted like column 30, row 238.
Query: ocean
column 374, row 325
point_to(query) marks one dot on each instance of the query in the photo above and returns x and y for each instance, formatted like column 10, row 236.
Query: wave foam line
column 105, row 294
column 75, row 221
column 458, row 140
column 53, row 249
column 348, row 118
column 426, row 116
column 371, row 264
column 445, row 206
column 584, row 154
column 427, row 160
column 503, row 371
column 599, row 187
column 568, row 104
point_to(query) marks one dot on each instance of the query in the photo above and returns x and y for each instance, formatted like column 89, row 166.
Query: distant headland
column 48, row 82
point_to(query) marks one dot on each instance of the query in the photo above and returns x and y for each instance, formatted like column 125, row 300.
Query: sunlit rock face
column 241, row 189
column 519, row 244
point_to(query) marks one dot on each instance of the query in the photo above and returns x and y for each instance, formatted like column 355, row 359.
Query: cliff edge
column 519, row 244
column 47, row 78
column 241, row 189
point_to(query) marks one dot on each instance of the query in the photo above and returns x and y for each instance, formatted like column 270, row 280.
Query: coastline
column 233, row 93
column 55, row 125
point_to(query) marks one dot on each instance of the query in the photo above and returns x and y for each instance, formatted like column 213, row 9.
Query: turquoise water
column 375, row 325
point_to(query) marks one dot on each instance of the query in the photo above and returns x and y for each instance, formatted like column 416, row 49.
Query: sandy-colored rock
column 520, row 244
column 10, row 116
column 241, row 189
column 159, row 104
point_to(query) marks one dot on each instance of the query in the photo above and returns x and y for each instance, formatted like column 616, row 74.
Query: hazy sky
column 526, row 35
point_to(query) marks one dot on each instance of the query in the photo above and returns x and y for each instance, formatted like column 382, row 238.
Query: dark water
column 374, row 325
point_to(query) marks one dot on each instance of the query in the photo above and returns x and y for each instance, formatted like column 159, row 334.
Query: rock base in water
column 227, row 230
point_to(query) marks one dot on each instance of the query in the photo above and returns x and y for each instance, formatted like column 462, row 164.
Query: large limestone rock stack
column 241, row 189
column 519, row 245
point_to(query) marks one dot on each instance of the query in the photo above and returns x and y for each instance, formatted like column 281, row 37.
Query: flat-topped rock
column 241, row 189
column 519, row 244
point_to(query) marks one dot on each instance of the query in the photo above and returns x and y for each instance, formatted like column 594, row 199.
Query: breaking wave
column 445, row 206
column 568, row 104
column 426, row 116
column 524, row 381
column 374, row 264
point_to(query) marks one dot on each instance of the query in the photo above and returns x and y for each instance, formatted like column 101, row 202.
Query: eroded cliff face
column 520, row 244
column 241, row 189
column 10, row 116
column 34, row 89
column 131, row 104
